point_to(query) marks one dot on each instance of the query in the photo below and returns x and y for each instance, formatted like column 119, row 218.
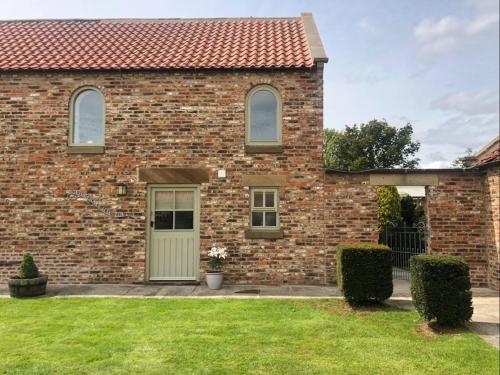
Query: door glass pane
column 164, row 220
column 270, row 219
column 184, row 200
column 89, row 118
column 184, row 220
column 258, row 199
column 263, row 116
column 269, row 199
column 257, row 219
column 164, row 200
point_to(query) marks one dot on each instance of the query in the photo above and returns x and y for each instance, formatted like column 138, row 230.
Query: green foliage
column 364, row 272
column 419, row 214
column 388, row 206
column 28, row 268
column 215, row 264
column 461, row 161
column 330, row 137
column 369, row 146
column 408, row 209
column 440, row 288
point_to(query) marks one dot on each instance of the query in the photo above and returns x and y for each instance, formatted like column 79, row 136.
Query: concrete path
column 485, row 320
column 401, row 289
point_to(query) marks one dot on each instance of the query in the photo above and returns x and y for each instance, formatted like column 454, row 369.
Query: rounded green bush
column 28, row 269
column 440, row 288
column 364, row 272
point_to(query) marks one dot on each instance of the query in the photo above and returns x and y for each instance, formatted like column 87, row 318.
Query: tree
column 408, row 209
column 369, row 146
column 419, row 214
column 388, row 206
column 461, row 161
column 330, row 137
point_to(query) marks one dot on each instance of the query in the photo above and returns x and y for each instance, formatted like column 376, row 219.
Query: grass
column 216, row 336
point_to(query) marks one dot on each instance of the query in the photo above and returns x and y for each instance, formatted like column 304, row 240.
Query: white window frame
column 248, row 122
column 72, row 113
column 275, row 208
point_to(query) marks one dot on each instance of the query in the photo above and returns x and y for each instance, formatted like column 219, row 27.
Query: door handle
column 152, row 224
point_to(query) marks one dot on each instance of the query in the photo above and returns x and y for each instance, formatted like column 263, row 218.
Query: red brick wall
column 456, row 220
column 350, row 213
column 174, row 119
column 186, row 119
column 492, row 229
column 462, row 212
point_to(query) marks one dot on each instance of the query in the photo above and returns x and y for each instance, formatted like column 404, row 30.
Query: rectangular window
column 264, row 207
column 174, row 210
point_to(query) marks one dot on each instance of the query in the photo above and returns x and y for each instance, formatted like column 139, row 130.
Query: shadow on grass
column 433, row 329
column 373, row 306
column 338, row 306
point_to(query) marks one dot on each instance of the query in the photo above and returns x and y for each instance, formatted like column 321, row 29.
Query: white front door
column 174, row 233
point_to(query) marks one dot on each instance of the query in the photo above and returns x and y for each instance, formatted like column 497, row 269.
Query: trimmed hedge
column 28, row 269
column 440, row 288
column 364, row 272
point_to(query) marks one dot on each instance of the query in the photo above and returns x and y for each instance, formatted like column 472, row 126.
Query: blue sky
column 432, row 63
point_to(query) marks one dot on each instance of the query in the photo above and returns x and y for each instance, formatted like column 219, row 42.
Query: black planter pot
column 19, row 287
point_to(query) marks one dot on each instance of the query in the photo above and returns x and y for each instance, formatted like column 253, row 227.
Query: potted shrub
column 215, row 276
column 29, row 283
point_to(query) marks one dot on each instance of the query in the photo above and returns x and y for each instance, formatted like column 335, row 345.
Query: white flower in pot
column 215, row 276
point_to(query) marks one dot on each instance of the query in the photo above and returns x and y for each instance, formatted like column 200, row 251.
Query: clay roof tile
column 163, row 44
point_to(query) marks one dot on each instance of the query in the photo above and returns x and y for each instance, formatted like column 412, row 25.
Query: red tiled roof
column 492, row 156
column 154, row 44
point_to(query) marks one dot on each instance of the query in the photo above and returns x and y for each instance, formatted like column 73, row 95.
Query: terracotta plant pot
column 215, row 280
column 19, row 287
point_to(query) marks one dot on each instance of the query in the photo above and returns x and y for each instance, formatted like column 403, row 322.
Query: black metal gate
column 405, row 242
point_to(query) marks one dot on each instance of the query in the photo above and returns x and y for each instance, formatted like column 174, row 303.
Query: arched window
column 87, row 118
column 263, row 116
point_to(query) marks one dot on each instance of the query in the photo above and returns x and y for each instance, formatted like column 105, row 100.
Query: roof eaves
column 488, row 146
column 313, row 39
column 486, row 165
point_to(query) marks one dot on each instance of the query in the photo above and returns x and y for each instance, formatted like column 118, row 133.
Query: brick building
column 130, row 147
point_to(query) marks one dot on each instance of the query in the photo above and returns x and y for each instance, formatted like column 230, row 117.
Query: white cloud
column 473, row 121
column 437, row 164
column 482, row 22
column 464, row 131
column 469, row 103
column 436, row 37
column 365, row 24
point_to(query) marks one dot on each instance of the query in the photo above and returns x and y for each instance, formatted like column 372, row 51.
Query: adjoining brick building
column 130, row 147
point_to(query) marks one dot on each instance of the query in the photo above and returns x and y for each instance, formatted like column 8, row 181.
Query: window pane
column 257, row 219
column 164, row 220
column 269, row 199
column 263, row 116
column 258, row 199
column 164, row 200
column 183, row 219
column 184, row 200
column 88, row 118
column 270, row 219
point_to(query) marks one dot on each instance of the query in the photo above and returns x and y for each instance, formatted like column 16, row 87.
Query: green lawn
column 214, row 336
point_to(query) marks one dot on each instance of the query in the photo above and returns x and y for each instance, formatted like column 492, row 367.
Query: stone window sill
column 264, row 149
column 85, row 149
column 266, row 234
